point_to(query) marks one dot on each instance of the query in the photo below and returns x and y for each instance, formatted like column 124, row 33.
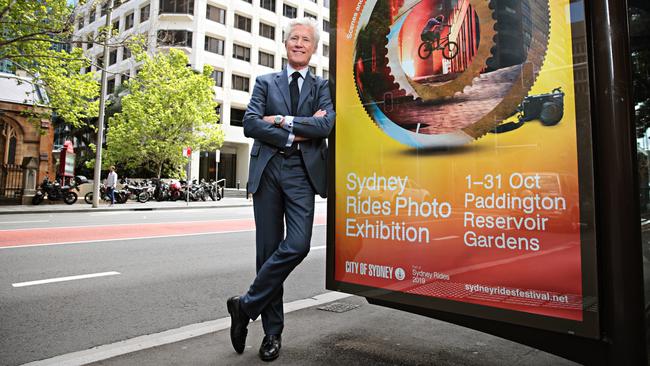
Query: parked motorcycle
column 121, row 195
column 161, row 190
column 54, row 191
column 212, row 189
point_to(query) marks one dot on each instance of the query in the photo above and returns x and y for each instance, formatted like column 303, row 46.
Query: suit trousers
column 285, row 194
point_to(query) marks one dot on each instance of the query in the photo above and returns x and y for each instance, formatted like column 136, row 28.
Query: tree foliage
column 168, row 107
column 35, row 36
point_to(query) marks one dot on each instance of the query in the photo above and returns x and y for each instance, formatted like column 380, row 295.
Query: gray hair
column 308, row 22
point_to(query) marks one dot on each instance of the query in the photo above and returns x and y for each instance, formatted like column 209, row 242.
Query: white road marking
column 23, row 222
column 447, row 237
column 136, row 344
column 130, row 238
column 64, row 279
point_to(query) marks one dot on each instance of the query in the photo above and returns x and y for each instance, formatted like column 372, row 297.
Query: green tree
column 34, row 36
column 168, row 107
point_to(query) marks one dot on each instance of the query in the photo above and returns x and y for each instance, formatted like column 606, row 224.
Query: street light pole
column 102, row 102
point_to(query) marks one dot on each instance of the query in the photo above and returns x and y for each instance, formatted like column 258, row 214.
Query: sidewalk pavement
column 81, row 206
column 366, row 335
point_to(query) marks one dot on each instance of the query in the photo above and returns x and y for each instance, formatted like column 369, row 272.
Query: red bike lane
column 68, row 235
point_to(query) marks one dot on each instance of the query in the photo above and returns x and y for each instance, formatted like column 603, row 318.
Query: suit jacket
column 271, row 97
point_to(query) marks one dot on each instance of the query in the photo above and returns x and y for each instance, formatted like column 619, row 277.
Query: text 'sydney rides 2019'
column 460, row 179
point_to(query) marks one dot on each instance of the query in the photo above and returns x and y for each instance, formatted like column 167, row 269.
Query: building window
column 178, row 38
column 289, row 11
column 237, row 117
column 90, row 40
column 93, row 13
column 214, row 45
column 268, row 5
column 126, row 53
column 267, row 31
column 144, row 13
column 310, row 15
column 177, row 6
column 216, row 14
column 100, row 61
column 243, row 23
column 81, row 22
column 312, row 70
column 112, row 57
column 110, row 86
column 116, row 24
column 241, row 52
column 217, row 75
column 104, row 8
column 326, row 25
column 284, row 63
column 326, row 3
column 326, row 50
column 326, row 74
column 240, row 83
column 217, row 111
column 128, row 21
column 266, row 59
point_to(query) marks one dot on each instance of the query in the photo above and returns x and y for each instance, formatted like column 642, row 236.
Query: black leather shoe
column 270, row 348
column 238, row 323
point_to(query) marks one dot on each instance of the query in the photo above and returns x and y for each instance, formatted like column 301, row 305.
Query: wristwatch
column 277, row 121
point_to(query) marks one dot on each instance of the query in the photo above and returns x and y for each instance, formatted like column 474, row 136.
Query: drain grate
column 338, row 307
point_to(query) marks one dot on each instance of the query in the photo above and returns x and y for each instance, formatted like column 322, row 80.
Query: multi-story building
column 239, row 38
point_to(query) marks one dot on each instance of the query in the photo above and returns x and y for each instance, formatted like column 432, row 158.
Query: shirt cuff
column 290, row 140
column 288, row 123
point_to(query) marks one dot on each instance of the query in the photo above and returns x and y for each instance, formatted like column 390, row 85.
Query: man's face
column 300, row 46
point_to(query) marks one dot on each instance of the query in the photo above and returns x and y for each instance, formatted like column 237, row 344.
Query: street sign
column 187, row 151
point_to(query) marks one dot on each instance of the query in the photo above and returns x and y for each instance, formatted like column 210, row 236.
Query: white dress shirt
column 288, row 120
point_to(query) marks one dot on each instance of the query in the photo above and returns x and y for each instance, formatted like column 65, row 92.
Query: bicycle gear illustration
column 454, row 92
column 429, row 93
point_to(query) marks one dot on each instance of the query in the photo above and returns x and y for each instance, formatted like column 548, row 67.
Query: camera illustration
column 548, row 108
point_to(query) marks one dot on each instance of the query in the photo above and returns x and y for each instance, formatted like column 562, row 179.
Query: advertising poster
column 463, row 175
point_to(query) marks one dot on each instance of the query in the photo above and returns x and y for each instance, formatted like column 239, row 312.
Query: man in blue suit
column 289, row 116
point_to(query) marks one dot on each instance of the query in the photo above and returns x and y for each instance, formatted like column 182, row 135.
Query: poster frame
column 619, row 334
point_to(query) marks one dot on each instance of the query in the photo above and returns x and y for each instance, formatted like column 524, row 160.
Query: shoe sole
column 268, row 359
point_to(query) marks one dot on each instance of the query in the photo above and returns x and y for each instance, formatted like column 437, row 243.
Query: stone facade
column 23, row 141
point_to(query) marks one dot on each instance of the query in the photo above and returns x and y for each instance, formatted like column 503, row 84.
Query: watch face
column 277, row 120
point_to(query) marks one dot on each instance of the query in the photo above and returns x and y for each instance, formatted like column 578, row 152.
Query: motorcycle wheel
column 70, row 198
column 89, row 198
column 203, row 198
column 211, row 194
column 121, row 197
column 37, row 199
column 143, row 197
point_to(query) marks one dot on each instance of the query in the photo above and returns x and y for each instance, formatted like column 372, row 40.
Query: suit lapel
column 306, row 89
column 282, row 82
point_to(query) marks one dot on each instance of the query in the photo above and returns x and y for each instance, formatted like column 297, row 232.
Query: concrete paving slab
column 367, row 335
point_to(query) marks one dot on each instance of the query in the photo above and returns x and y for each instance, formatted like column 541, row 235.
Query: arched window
column 8, row 142
column 11, row 153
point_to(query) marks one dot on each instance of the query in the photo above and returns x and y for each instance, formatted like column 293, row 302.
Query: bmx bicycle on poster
column 449, row 48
